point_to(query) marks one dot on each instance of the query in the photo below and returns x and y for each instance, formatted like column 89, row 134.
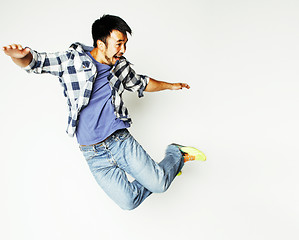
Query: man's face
column 115, row 47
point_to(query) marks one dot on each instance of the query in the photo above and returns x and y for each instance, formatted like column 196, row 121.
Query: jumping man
column 94, row 79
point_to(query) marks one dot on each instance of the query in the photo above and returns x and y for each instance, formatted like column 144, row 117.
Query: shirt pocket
column 81, row 63
column 83, row 66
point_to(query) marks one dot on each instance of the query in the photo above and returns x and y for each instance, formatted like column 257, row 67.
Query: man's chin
column 114, row 60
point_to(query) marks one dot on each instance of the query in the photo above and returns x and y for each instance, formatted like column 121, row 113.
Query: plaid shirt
column 77, row 72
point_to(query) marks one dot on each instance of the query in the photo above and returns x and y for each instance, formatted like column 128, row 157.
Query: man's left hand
column 178, row 86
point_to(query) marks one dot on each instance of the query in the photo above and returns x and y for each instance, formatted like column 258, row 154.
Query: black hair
column 102, row 28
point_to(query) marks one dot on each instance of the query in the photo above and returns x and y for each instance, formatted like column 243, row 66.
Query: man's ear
column 101, row 45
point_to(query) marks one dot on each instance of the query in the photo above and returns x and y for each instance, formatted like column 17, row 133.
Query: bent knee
column 158, row 188
column 128, row 205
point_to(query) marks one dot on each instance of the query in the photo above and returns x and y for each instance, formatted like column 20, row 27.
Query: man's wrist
column 170, row 86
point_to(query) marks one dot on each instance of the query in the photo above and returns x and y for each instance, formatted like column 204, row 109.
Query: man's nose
column 123, row 49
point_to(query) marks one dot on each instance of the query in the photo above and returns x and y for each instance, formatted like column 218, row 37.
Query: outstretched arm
column 155, row 85
column 20, row 56
column 38, row 62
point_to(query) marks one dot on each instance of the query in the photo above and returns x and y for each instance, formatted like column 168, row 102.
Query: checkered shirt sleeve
column 127, row 76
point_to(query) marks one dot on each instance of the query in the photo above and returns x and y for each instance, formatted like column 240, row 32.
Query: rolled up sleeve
column 136, row 82
column 47, row 62
column 29, row 68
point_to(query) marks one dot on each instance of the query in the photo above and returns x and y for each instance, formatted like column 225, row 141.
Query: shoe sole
column 199, row 155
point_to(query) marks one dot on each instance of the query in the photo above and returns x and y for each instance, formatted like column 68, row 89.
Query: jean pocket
column 88, row 155
column 122, row 135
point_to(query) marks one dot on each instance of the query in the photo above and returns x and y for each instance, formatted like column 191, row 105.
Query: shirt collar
column 81, row 47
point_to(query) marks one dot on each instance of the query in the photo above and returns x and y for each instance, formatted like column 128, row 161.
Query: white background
column 241, row 60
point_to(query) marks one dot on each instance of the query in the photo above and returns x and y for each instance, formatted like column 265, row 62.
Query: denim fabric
column 120, row 153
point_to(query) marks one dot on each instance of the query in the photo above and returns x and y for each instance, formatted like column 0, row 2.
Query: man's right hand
column 21, row 56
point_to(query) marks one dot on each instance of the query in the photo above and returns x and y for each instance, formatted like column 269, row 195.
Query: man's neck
column 96, row 54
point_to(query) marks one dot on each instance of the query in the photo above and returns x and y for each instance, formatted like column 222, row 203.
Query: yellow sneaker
column 191, row 153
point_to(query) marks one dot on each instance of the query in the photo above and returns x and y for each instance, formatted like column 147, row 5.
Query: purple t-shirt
column 97, row 120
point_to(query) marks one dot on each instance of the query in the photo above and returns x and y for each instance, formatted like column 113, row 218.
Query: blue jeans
column 120, row 153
